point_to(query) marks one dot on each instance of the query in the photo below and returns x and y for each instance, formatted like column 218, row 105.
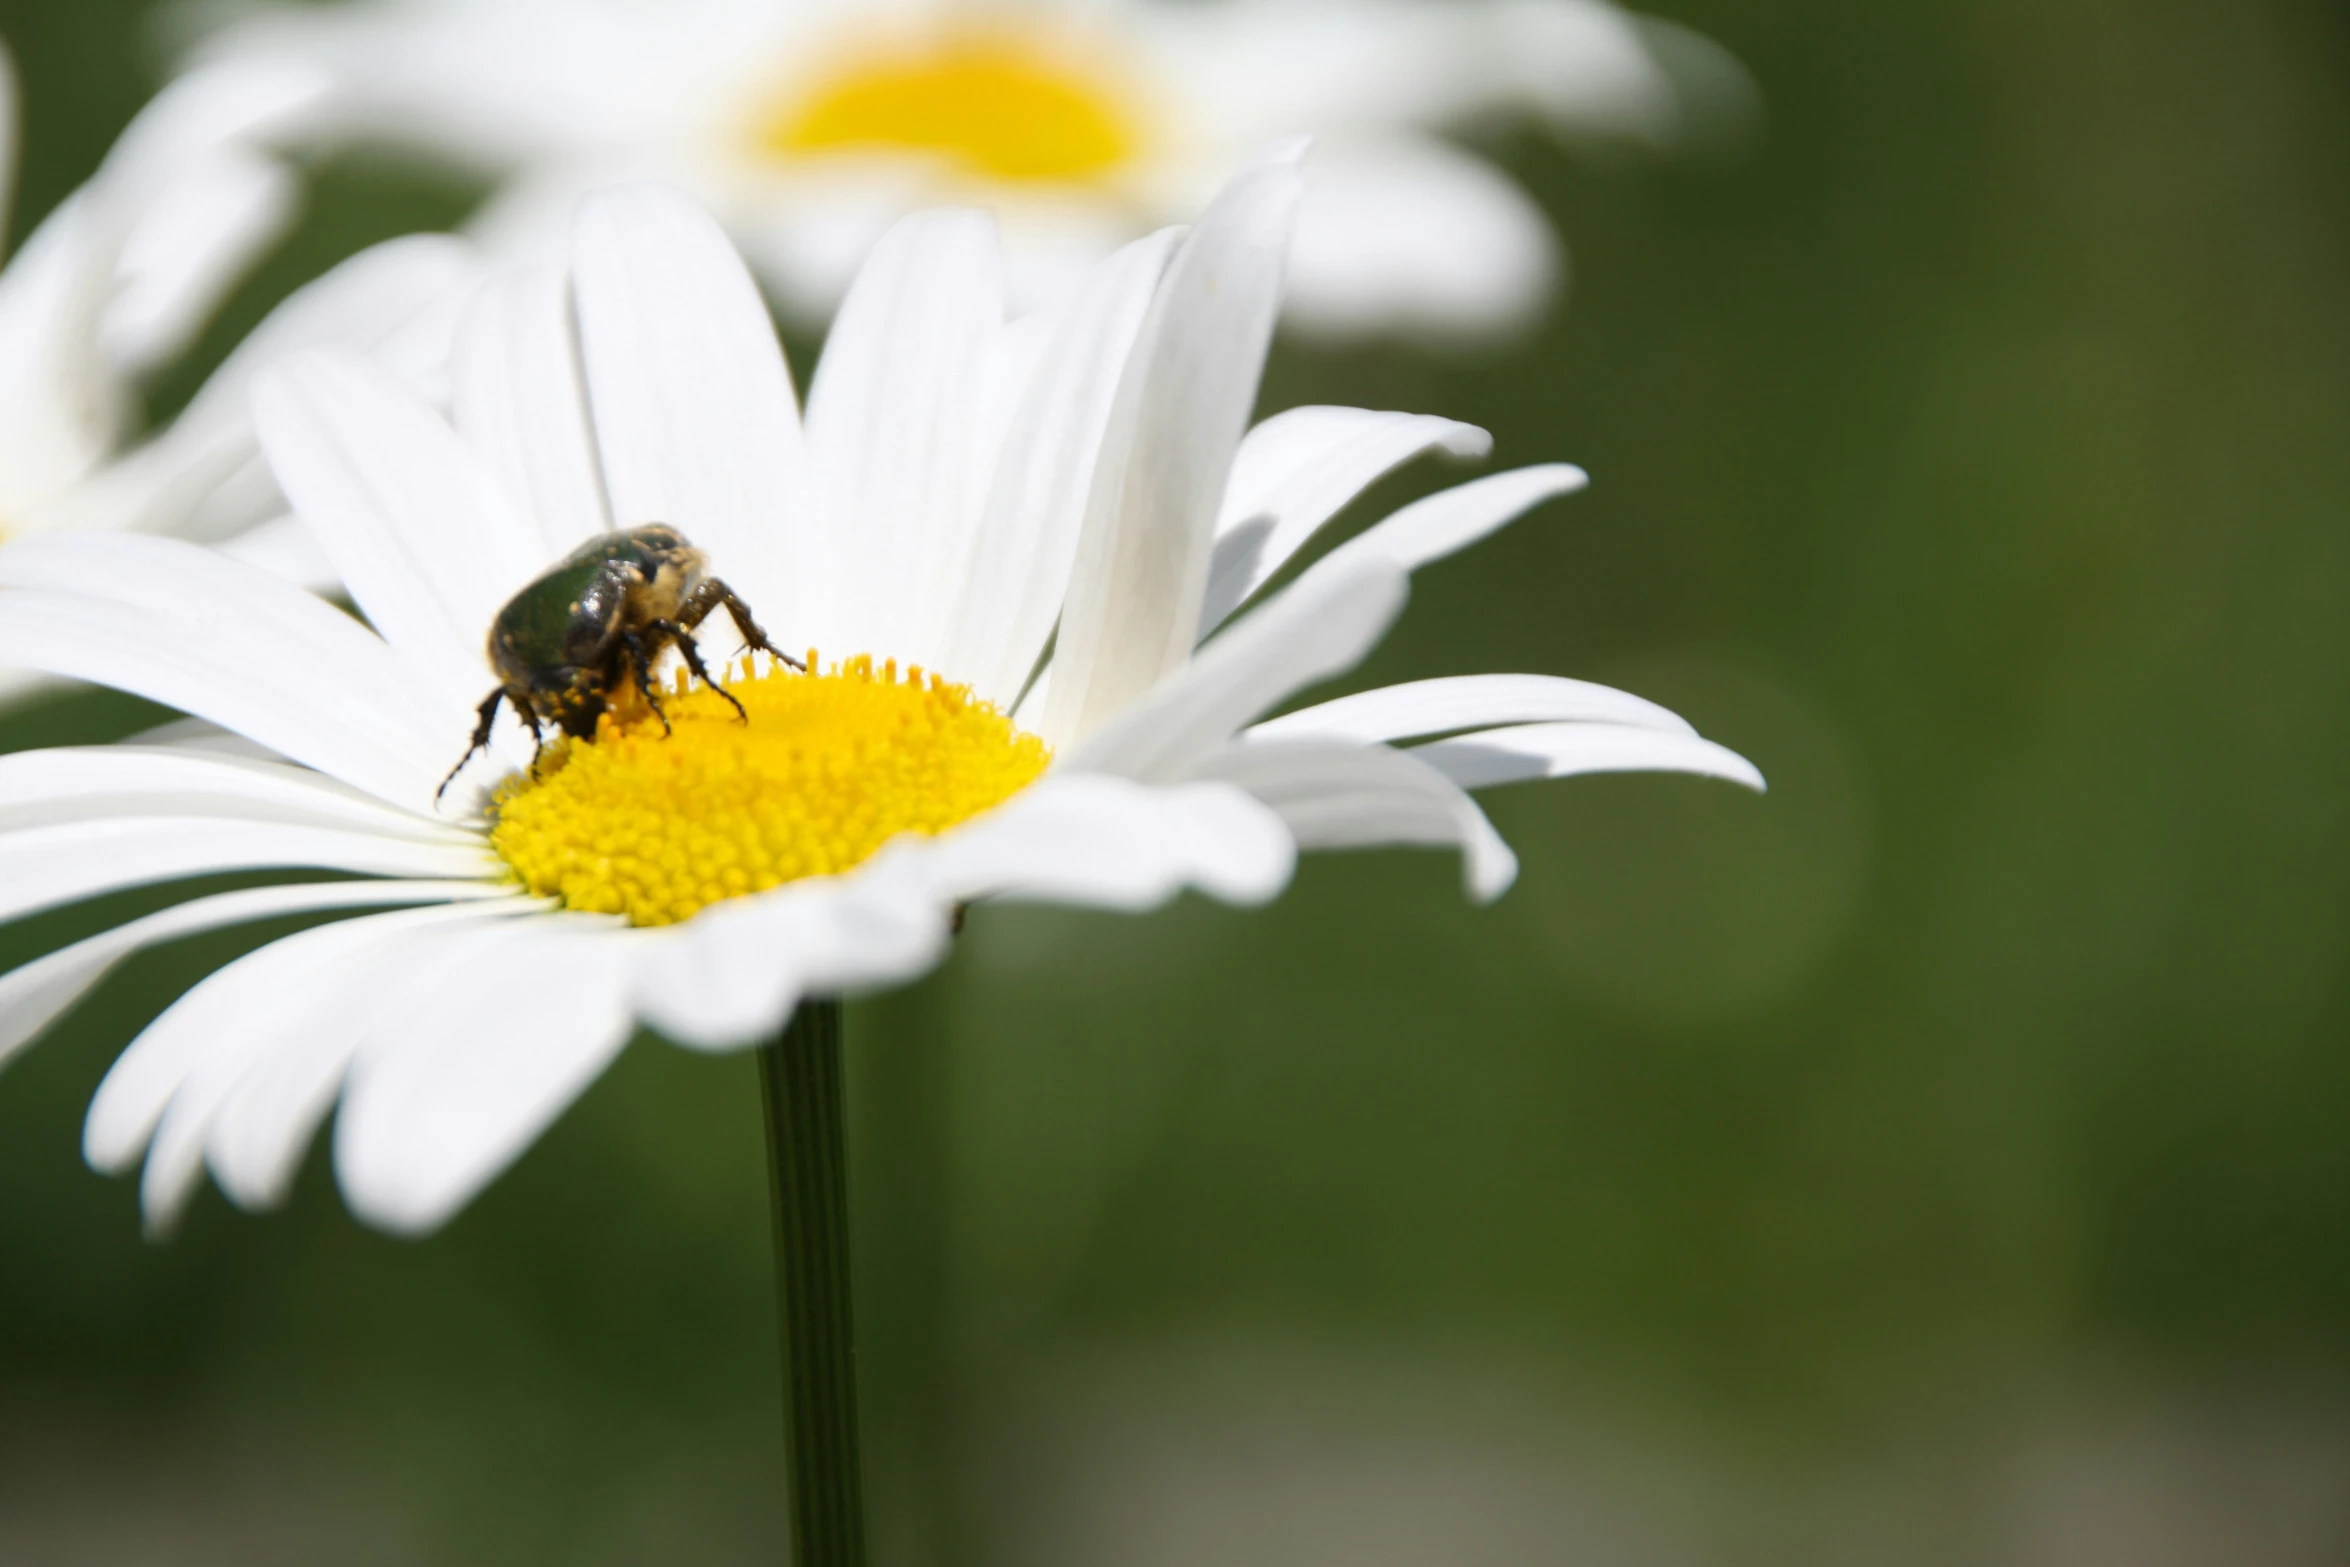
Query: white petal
column 1310, row 461
column 1427, row 707
column 1588, row 65
column 61, row 398
column 1104, row 842
column 175, row 483
column 1450, row 520
column 1515, row 755
column 259, row 1128
column 1037, row 499
column 1142, row 559
column 730, row 977
column 197, row 734
column 1018, row 348
column 1581, row 61
column 19, row 685
column 1339, row 796
column 1029, row 715
column 61, row 405
column 419, row 532
column 361, row 304
column 183, row 627
column 284, row 548
column 188, row 198
column 213, row 1018
column 189, row 249
column 1403, row 234
column 202, row 112
column 43, row 867
column 73, row 783
column 38, row 993
column 1295, row 472
column 893, row 431
column 1321, row 626
column 506, row 82
column 303, row 988
column 522, row 405
column 695, row 420
column 431, row 1115
column 808, row 235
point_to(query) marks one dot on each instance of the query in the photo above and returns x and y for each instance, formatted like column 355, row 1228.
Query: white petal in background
column 200, row 477
column 1406, row 235
column 189, row 250
column 1405, row 63
column 187, row 198
column 61, row 406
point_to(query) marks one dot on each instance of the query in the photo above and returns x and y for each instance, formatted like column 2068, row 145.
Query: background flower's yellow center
column 831, row 767
column 998, row 105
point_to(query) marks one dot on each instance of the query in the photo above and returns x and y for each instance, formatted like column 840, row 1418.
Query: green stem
column 901, row 1174
column 800, row 1082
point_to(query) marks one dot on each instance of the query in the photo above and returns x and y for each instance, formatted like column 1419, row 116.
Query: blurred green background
column 1939, row 1161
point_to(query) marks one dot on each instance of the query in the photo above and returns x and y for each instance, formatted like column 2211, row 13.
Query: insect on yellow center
column 992, row 102
column 831, row 766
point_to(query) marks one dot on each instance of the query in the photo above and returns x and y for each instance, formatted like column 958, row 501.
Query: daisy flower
column 810, row 125
column 124, row 272
column 966, row 501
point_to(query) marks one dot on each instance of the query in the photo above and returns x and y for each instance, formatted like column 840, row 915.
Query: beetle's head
column 571, row 696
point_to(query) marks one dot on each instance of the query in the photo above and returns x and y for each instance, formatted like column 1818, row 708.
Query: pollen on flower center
column 999, row 105
column 831, row 766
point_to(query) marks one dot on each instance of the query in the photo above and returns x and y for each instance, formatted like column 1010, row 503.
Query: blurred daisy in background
column 1070, row 492
column 810, row 125
column 123, row 274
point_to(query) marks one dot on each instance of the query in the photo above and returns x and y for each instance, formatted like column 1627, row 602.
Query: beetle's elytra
column 603, row 615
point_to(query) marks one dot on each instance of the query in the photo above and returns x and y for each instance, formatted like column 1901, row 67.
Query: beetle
column 604, row 614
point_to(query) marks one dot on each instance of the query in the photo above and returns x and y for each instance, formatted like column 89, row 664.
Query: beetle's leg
column 538, row 738
column 640, row 664
column 488, row 712
column 713, row 593
column 693, row 661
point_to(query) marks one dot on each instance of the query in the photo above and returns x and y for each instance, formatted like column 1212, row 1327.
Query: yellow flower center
column 831, row 766
column 996, row 104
